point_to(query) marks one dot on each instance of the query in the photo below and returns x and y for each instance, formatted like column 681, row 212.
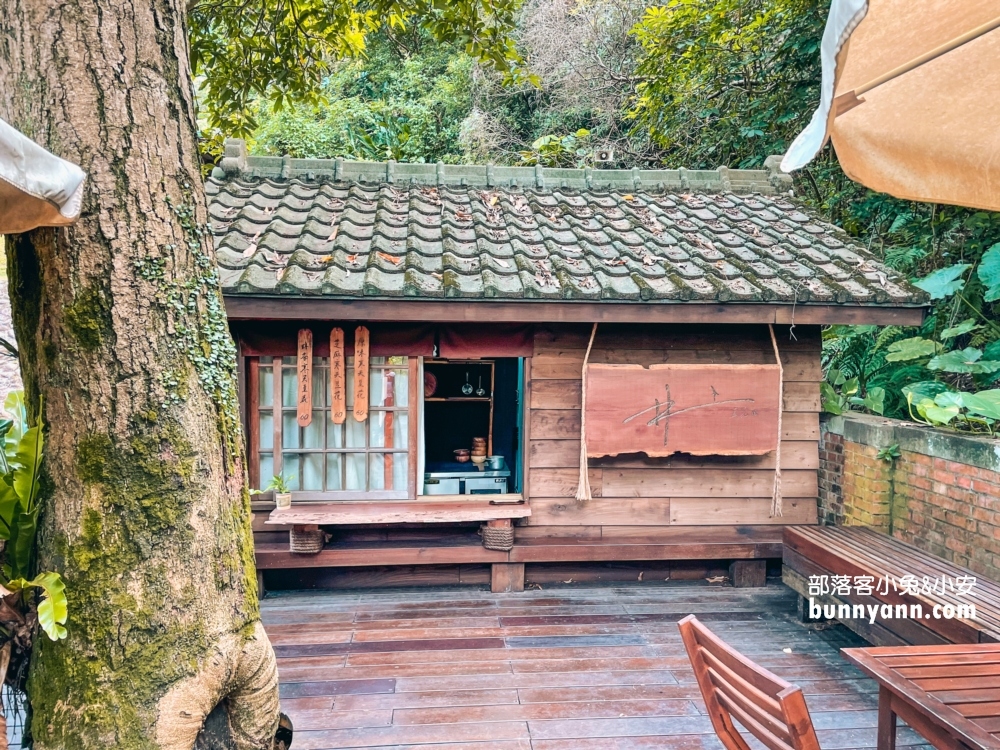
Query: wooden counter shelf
column 442, row 509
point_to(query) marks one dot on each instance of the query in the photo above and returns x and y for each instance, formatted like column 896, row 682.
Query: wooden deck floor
column 565, row 668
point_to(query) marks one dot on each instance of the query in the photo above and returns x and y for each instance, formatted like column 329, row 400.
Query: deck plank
column 574, row 667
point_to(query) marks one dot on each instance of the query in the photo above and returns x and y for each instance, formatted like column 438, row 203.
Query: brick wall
column 942, row 493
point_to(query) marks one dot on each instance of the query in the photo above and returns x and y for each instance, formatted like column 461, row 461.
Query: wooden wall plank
column 733, row 483
column 730, row 511
column 599, row 511
column 565, row 454
column 555, row 424
column 567, row 364
column 560, row 483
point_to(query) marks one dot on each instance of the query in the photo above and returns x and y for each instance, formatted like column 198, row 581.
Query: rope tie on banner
column 583, row 487
column 776, row 494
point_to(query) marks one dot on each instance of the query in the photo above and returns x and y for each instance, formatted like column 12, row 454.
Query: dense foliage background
column 695, row 83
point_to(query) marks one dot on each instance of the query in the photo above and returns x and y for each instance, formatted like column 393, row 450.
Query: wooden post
column 746, row 574
column 507, row 577
column 304, row 366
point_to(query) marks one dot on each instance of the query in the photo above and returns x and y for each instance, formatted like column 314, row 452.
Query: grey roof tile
column 341, row 229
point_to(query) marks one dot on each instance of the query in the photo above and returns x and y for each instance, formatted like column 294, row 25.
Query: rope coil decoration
column 306, row 541
column 497, row 537
column 583, row 487
column 776, row 494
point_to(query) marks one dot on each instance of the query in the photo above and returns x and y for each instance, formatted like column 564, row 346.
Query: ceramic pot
column 283, row 499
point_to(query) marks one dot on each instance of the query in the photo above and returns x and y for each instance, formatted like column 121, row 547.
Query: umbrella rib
column 850, row 99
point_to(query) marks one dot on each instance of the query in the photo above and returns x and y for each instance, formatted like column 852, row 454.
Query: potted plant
column 282, row 492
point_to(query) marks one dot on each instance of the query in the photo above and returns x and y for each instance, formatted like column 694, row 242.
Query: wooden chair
column 736, row 689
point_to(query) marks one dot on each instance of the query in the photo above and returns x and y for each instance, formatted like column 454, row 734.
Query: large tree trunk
column 123, row 335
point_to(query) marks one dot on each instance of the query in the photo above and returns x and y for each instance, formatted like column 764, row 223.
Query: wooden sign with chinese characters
column 304, row 369
column 361, row 374
column 704, row 410
column 338, row 377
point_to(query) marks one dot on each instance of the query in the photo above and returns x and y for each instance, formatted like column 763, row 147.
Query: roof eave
column 277, row 307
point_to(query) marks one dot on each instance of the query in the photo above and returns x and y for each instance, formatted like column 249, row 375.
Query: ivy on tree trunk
column 121, row 329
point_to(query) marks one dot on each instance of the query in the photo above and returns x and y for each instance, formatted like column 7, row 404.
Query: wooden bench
column 855, row 551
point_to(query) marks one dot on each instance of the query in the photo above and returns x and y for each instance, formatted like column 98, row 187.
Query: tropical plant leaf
column 950, row 398
column 53, row 609
column 26, row 465
column 874, row 400
column 935, row 414
column 985, row 403
column 944, row 282
column 966, row 326
column 989, row 273
column 912, row 348
column 968, row 361
column 928, row 389
column 832, row 401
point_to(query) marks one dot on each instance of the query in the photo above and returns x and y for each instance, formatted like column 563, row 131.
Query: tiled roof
column 373, row 230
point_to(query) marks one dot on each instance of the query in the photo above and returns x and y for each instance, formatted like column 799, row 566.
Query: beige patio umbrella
column 911, row 99
column 37, row 189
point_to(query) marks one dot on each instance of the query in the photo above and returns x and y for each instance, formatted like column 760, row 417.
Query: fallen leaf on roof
column 493, row 199
column 502, row 262
column 717, row 579
column 251, row 249
column 568, row 581
column 353, row 258
column 436, row 275
column 333, row 234
column 614, row 261
column 463, row 215
column 326, row 259
column 394, row 259
column 628, row 197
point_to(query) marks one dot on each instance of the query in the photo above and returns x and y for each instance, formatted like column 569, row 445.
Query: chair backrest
column 736, row 689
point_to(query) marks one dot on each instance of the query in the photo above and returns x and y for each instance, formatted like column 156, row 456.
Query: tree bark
column 123, row 338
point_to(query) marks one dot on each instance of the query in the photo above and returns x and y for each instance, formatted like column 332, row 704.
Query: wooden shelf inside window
column 484, row 399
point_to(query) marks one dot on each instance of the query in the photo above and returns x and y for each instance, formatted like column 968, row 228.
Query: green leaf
column 831, row 400
column 944, row 282
column 912, row 348
column 966, row 326
column 950, row 398
column 875, row 400
column 26, row 465
column 989, row 273
column 53, row 609
column 966, row 361
column 983, row 403
column 937, row 414
column 925, row 389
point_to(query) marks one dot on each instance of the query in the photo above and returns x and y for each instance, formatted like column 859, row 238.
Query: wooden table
column 949, row 694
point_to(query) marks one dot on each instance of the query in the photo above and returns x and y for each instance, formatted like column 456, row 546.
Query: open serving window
column 442, row 417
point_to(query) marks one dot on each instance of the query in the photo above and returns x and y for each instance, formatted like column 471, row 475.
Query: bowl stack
column 478, row 450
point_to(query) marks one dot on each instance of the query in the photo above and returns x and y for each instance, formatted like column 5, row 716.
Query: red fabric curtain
column 455, row 341
column 271, row 339
column 470, row 341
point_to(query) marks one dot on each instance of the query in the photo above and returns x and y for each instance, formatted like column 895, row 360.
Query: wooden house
column 388, row 315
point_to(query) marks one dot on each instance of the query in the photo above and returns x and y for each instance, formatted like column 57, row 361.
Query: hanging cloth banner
column 338, row 377
column 704, row 410
column 304, row 366
column 361, row 345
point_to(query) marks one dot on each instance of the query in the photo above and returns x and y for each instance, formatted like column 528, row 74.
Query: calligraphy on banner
column 338, row 377
column 361, row 374
column 303, row 366
column 704, row 410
